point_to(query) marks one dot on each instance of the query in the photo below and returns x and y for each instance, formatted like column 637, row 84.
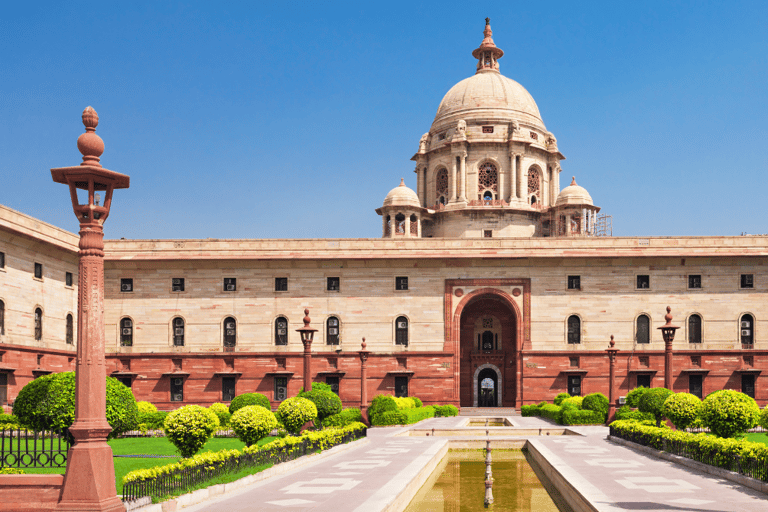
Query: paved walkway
column 368, row 478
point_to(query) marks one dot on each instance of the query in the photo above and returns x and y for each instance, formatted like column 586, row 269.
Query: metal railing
column 21, row 448
column 748, row 466
column 179, row 481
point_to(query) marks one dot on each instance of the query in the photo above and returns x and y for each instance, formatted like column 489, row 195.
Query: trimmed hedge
column 326, row 402
column 728, row 412
column 344, row 418
column 582, row 417
column 634, row 396
column 625, row 413
column 560, row 397
column 743, row 456
column 552, row 412
column 403, row 416
column 247, row 399
column 596, row 402
column 529, row 410
column 146, row 407
column 153, row 420
column 381, row 404
column 445, row 410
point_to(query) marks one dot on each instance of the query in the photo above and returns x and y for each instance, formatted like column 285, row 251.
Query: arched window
column 694, row 329
column 38, row 324
column 414, row 225
column 441, row 186
column 401, row 331
column 2, row 318
column 534, row 181
column 388, row 226
column 332, row 331
column 747, row 328
column 126, row 332
column 574, row 330
column 281, row 331
column 178, row 332
column 399, row 224
column 69, row 337
column 643, row 333
column 488, row 181
column 230, row 332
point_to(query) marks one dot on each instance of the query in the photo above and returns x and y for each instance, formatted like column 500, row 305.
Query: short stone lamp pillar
column 668, row 333
column 488, row 501
column 89, row 482
column 363, row 353
column 307, row 335
column 611, row 380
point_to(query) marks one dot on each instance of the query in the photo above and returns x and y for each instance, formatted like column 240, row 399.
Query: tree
column 634, row 396
column 189, row 428
column 727, row 412
column 252, row 424
column 326, row 401
column 295, row 412
column 652, row 402
column 681, row 409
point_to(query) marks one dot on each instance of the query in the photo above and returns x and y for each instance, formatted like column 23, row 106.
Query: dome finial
column 402, row 182
column 90, row 145
column 487, row 54
column 573, row 181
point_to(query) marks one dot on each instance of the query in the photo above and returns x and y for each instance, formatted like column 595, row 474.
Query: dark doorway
column 487, row 387
column 401, row 387
column 695, row 385
column 748, row 384
column 487, row 340
column 574, row 385
column 644, row 380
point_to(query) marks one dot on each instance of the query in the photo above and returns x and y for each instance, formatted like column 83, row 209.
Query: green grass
column 157, row 446
column 756, row 437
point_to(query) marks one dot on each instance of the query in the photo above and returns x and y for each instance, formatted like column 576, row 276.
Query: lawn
column 151, row 446
column 756, row 437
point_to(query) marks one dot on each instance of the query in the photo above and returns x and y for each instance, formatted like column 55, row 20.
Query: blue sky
column 269, row 120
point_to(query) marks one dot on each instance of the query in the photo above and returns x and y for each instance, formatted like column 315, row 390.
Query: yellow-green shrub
column 294, row 412
column 681, row 409
column 145, row 407
column 252, row 423
column 727, row 412
column 189, row 427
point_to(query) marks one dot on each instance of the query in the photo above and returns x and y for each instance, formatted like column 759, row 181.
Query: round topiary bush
column 633, row 397
column 189, row 428
column 222, row 412
column 560, row 397
column 146, row 407
column 327, row 403
column 295, row 412
column 597, row 402
column 253, row 423
column 728, row 412
column 764, row 417
column 652, row 401
column 681, row 409
column 247, row 399
column 48, row 403
column 381, row 404
column 574, row 402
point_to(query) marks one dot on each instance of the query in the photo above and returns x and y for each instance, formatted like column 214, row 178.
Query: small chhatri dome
column 402, row 196
column 574, row 194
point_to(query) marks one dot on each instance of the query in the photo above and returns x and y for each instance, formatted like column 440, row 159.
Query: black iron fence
column 184, row 479
column 692, row 449
column 21, row 448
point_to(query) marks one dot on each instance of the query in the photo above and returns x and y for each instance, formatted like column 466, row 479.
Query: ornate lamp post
column 307, row 334
column 612, row 377
column 668, row 333
column 363, row 377
column 89, row 483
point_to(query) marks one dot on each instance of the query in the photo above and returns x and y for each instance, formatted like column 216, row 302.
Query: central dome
column 488, row 95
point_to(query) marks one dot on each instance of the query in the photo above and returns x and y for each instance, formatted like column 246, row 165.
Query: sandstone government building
column 492, row 285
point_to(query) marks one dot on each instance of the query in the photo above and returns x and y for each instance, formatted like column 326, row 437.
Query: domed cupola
column 573, row 194
column 574, row 213
column 401, row 213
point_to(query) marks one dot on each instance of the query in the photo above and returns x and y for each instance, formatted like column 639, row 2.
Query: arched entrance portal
column 488, row 334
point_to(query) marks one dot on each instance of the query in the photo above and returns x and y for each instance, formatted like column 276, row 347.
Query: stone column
column 512, row 176
column 611, row 381
column 463, row 175
column 307, row 364
column 453, row 179
column 521, row 185
column 407, row 231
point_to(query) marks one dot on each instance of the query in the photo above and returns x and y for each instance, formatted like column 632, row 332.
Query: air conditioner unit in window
column 179, row 331
column 402, row 325
column 333, row 331
column 230, row 287
column 177, row 398
column 126, row 332
column 281, row 332
column 125, row 287
column 176, row 281
column 127, row 322
column 745, row 324
column 622, row 400
column 230, row 332
column 746, row 332
column 230, row 325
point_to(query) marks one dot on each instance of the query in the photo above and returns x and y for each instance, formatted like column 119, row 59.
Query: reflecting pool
column 458, row 484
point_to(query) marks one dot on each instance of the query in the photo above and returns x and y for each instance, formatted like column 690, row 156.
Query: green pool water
column 458, row 484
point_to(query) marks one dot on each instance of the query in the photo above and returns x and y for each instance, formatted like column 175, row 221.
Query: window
column 643, row 282
column 487, row 129
column 643, row 331
column 230, row 284
column 3, row 389
column 399, row 224
column 68, row 279
column 125, row 381
column 334, row 383
column 2, row 260
column 695, row 385
column 332, row 331
column 126, row 285
column 177, row 389
column 178, row 332
column 69, row 336
column 126, row 332
column 694, row 329
column 2, row 318
column 748, row 384
column 441, row 186
column 694, row 281
column 487, row 233
column 401, row 331
column 747, row 281
column 230, row 332
column 574, row 282
column 333, row 284
column 38, row 270
column 574, row 330
column 281, row 388
column 281, row 331
column 177, row 284
column 488, row 181
column 227, row 389
column 747, row 329
column 281, row 284
column 574, row 385
column 401, row 386
column 573, row 362
column 401, row 283
column 644, row 379
column 38, row 324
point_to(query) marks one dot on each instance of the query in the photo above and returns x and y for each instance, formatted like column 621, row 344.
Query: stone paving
column 369, row 478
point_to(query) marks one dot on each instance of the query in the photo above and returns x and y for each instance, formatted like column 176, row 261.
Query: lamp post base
column 89, row 483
